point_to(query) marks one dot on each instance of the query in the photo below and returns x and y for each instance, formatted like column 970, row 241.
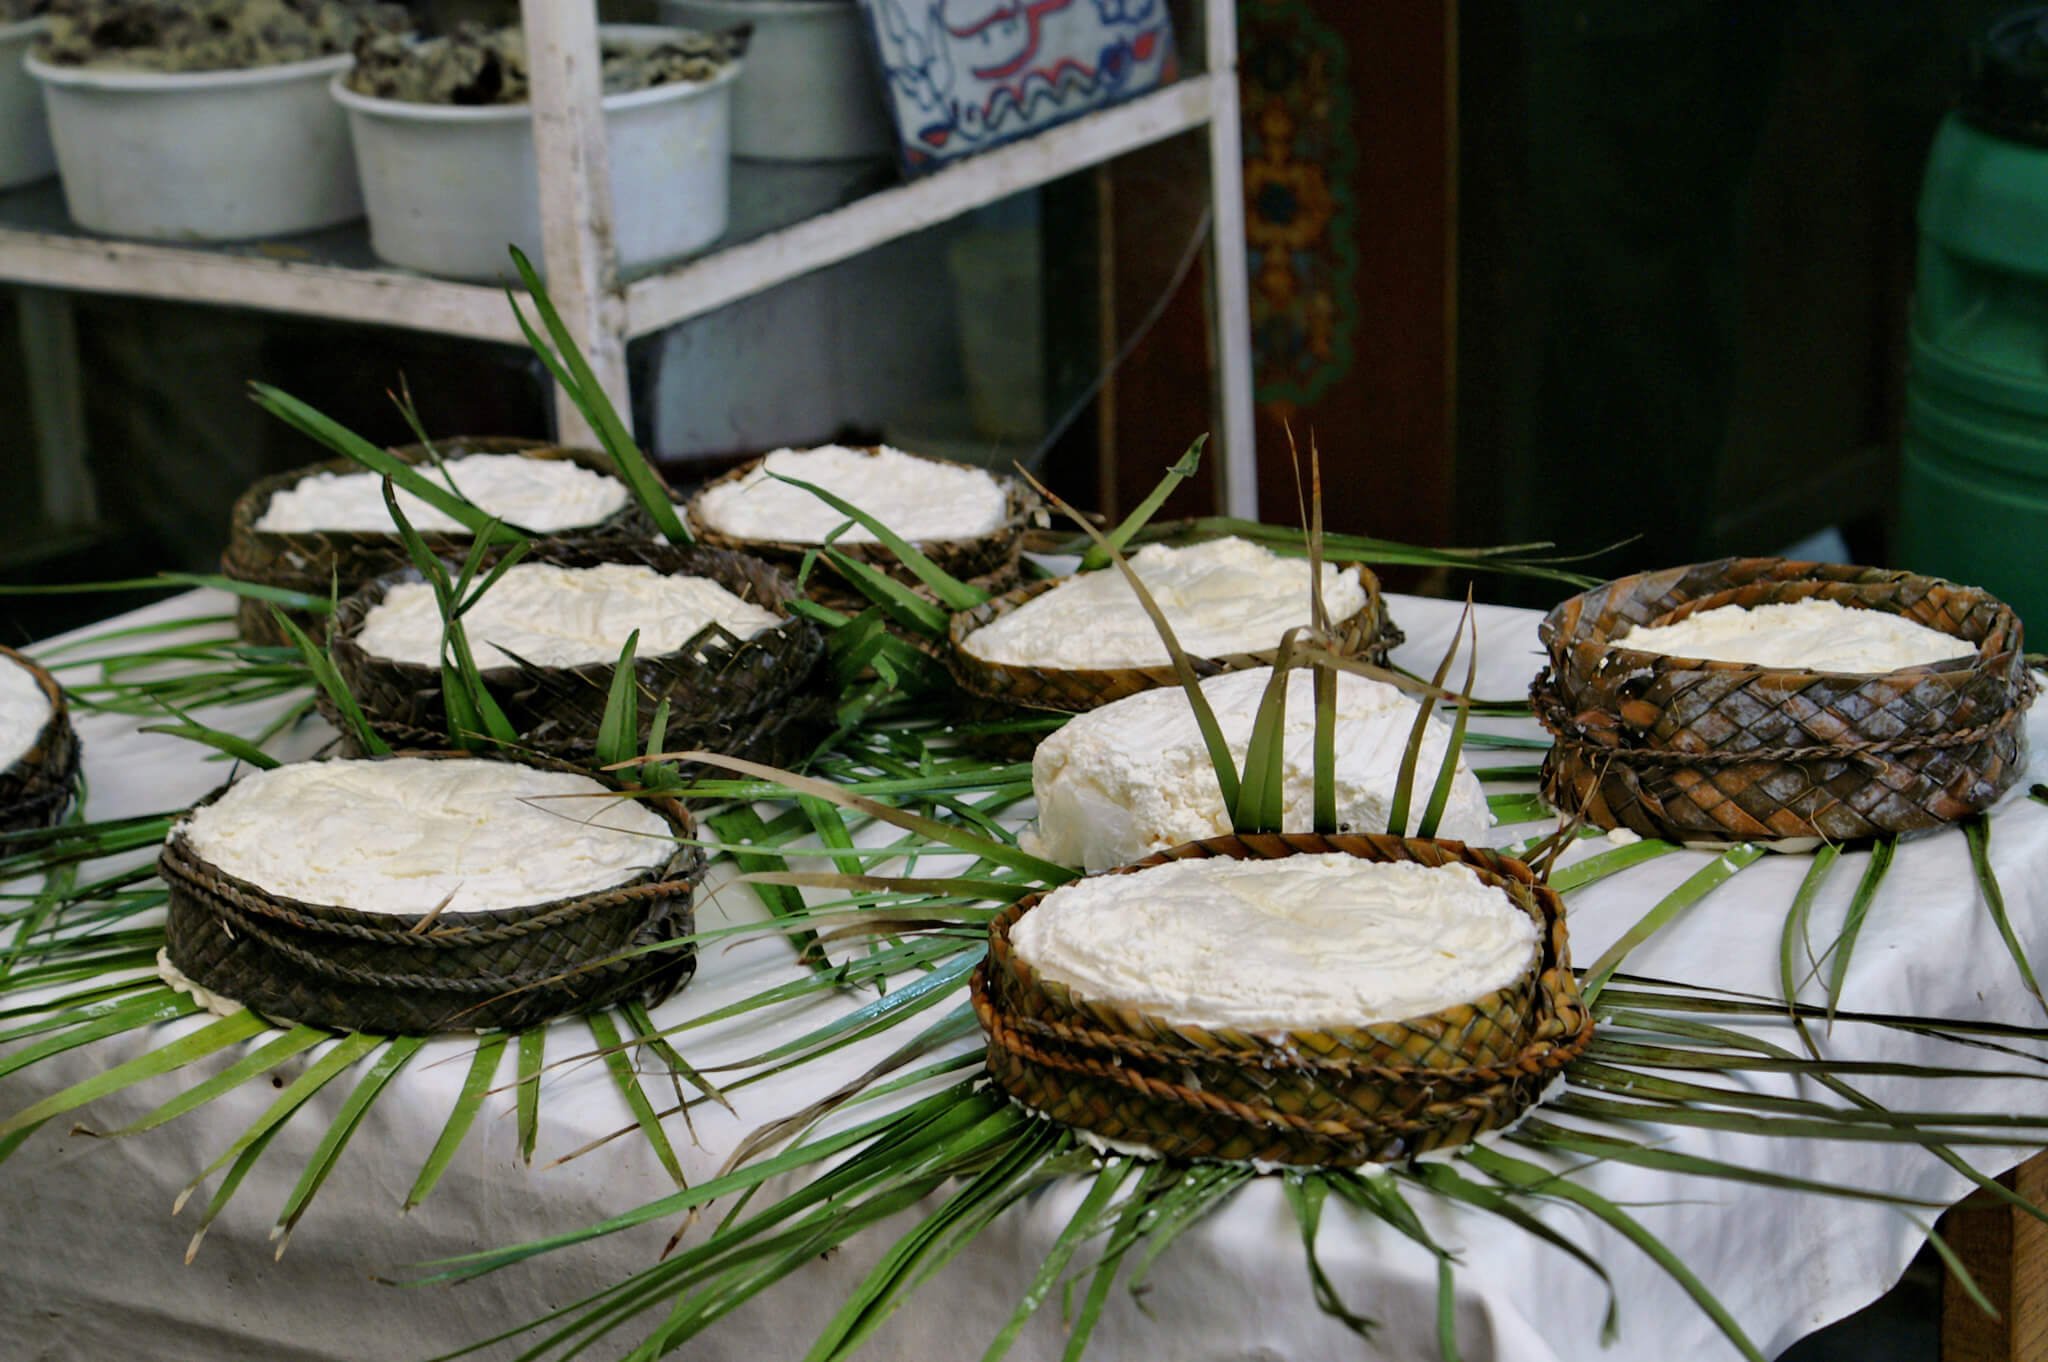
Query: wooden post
column 579, row 251
column 2006, row 1250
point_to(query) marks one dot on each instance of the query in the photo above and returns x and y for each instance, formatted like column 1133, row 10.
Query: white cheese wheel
column 560, row 617
column 402, row 834
column 1222, row 597
column 917, row 498
column 544, row 495
column 1134, row 777
column 1301, row 943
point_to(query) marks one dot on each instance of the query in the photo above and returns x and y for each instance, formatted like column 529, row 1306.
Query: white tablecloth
column 91, row 1258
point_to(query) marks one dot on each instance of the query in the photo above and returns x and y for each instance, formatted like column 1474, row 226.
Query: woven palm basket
column 1330, row 1097
column 989, row 560
column 718, row 686
column 1693, row 750
column 498, row 968
column 1369, row 634
column 36, row 788
column 317, row 561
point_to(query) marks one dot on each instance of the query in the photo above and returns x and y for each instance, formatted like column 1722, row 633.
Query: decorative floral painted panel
column 967, row 75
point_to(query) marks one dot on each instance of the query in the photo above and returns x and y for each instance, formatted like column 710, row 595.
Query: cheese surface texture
column 561, row 617
column 1810, row 635
column 1222, row 597
column 402, row 834
column 24, row 709
column 1121, row 782
column 917, row 498
column 534, row 494
column 1299, row 943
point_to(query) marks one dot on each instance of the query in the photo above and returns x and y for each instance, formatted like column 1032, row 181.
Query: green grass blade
column 1978, row 830
column 482, row 1069
column 318, row 1074
column 1599, row 866
column 1305, row 1196
column 903, row 605
column 606, row 1034
column 1529, row 1177
column 157, row 1007
column 1702, row 883
column 1325, row 759
column 577, row 379
column 1411, row 754
column 265, row 1058
column 1104, row 1277
column 1447, row 773
column 1794, row 931
column 1262, row 792
column 1183, row 468
column 1881, row 852
column 347, row 443
column 217, row 1035
column 533, row 1043
column 396, row 1054
column 953, row 593
column 1081, row 1226
column 1447, row 1182
column 228, row 1186
column 328, row 678
column 618, row 731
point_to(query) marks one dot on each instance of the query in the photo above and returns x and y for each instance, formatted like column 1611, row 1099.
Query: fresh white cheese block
column 1134, row 777
column 1810, row 635
column 400, row 835
column 1221, row 597
column 544, row 495
column 24, row 709
column 561, row 617
column 1300, row 943
column 917, row 498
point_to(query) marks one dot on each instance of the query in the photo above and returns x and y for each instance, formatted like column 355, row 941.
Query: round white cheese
column 543, row 495
column 560, row 617
column 1222, row 597
column 24, row 709
column 917, row 498
column 1134, row 777
column 403, row 834
column 1300, row 943
column 1810, row 635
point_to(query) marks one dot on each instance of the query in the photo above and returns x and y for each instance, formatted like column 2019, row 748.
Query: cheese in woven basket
column 1077, row 643
column 1293, row 999
column 716, row 646
column 1758, row 699
column 326, row 527
column 423, row 892
column 38, row 747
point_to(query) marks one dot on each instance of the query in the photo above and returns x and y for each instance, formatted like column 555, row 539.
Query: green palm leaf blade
column 214, row 1036
column 1305, row 1195
column 395, row 1057
column 262, row 1060
column 618, row 730
column 533, row 1044
column 328, row 678
column 1447, row 1182
column 1978, row 831
column 74, row 1009
column 1795, row 931
column 1517, row 1173
column 110, row 1021
column 1447, row 772
column 1411, row 754
column 606, row 1033
column 573, row 372
column 1702, row 882
column 741, row 824
column 901, row 604
column 1599, row 866
column 1104, row 1277
column 1262, row 791
column 347, row 1050
column 1881, row 852
column 954, row 593
column 1081, row 1226
column 1199, row 1191
column 468, row 1102
column 1183, row 468
column 229, row 1185
column 680, row 1070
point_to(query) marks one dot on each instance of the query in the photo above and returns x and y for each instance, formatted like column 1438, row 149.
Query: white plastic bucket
column 201, row 155
column 812, row 90
column 449, row 187
column 25, row 151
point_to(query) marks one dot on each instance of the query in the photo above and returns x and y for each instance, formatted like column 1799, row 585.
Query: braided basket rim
column 1368, row 632
column 30, row 765
column 38, row 785
column 677, row 873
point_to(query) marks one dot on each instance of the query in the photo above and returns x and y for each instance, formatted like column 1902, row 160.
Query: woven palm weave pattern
column 37, row 787
column 1694, row 750
column 1335, row 1096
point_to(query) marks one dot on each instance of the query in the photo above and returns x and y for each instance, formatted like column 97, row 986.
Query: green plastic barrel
column 1974, row 477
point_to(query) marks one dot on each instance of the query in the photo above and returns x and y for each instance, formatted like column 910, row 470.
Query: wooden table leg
column 2006, row 1250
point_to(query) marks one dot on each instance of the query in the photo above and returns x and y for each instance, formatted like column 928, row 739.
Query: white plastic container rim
column 649, row 34
column 26, row 28
column 171, row 82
